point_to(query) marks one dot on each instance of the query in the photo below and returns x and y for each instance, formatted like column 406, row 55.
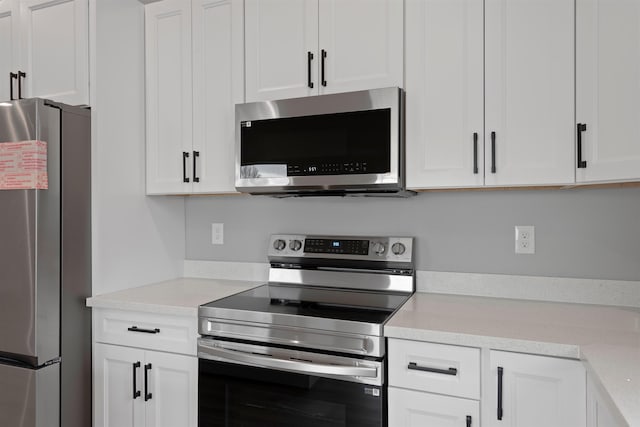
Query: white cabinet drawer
column 408, row 408
column 175, row 334
column 436, row 368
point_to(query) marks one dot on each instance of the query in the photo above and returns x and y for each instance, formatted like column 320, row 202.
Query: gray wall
column 585, row 233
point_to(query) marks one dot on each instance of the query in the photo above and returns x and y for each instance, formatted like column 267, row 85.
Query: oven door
column 252, row 385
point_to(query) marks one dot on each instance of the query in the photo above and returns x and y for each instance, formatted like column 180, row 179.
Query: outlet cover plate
column 525, row 239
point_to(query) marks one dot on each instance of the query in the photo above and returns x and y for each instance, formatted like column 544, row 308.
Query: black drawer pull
column 12, row 77
column 500, row 373
column 493, row 152
column 468, row 420
column 196, row 178
column 475, row 152
column 21, row 74
column 136, row 392
column 309, row 59
column 323, row 57
column 147, row 395
column 146, row 331
column 581, row 128
column 414, row 366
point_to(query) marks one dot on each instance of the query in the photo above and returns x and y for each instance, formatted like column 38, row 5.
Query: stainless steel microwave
column 341, row 144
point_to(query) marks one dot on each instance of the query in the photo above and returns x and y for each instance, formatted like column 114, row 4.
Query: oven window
column 328, row 144
column 233, row 395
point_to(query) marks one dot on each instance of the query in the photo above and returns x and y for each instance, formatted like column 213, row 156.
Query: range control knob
column 398, row 248
column 295, row 245
column 279, row 244
column 378, row 248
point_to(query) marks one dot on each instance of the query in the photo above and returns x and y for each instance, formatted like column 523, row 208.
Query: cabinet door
column 416, row 409
column 113, row 379
column 55, row 49
column 536, row 391
column 529, row 92
column 172, row 382
column 218, row 55
column 444, row 93
column 599, row 411
column 608, row 66
column 363, row 42
column 169, row 99
column 9, row 46
column 280, row 34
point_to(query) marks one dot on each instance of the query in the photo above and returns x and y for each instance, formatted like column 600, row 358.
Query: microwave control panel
column 328, row 168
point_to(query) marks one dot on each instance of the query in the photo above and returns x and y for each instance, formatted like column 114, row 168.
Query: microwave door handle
column 292, row 365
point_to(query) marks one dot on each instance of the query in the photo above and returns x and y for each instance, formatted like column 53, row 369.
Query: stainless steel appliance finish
column 329, row 293
column 322, row 170
column 45, row 273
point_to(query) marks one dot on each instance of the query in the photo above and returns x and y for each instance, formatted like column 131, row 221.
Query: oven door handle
column 289, row 364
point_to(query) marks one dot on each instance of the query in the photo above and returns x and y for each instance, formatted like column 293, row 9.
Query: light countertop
column 606, row 338
column 178, row 296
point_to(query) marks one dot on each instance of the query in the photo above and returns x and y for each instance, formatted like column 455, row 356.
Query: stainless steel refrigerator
column 45, row 272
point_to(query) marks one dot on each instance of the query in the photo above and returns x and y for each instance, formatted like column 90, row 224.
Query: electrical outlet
column 525, row 239
column 217, row 234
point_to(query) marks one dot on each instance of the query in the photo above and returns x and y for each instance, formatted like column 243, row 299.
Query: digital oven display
column 336, row 246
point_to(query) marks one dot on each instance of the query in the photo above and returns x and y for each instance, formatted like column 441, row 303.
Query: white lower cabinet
column 440, row 385
column 524, row 390
column 433, row 385
column 408, row 408
column 144, row 386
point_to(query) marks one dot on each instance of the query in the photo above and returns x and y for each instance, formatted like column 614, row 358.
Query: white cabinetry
column 433, row 384
column 530, row 391
column 144, row 386
column 46, row 43
column 9, row 46
column 298, row 48
column 524, row 121
column 194, row 78
column 599, row 412
column 607, row 97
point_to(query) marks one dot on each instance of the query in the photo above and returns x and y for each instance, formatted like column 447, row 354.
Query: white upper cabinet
column 298, row 48
column 529, row 92
column 218, row 84
column 281, row 48
column 194, row 63
column 531, row 391
column 169, row 98
column 608, row 94
column 444, row 93
column 502, row 118
column 360, row 44
column 9, row 47
column 55, row 50
column 44, row 44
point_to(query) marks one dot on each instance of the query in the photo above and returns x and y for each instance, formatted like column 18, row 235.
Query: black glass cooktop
column 328, row 303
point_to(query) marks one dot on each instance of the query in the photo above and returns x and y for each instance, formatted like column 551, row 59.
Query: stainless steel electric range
column 306, row 348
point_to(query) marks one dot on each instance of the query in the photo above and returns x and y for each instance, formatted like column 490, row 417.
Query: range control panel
column 342, row 247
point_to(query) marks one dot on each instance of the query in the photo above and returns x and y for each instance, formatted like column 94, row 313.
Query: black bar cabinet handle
column 581, row 128
column 414, row 366
column 324, row 56
column 309, row 59
column 500, row 373
column 185, row 156
column 493, row 152
column 21, row 74
column 12, row 77
column 147, row 396
column 468, row 420
column 475, row 152
column 136, row 392
column 196, row 154
column 146, row 331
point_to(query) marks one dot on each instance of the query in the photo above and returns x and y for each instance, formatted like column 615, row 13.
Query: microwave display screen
column 328, row 144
